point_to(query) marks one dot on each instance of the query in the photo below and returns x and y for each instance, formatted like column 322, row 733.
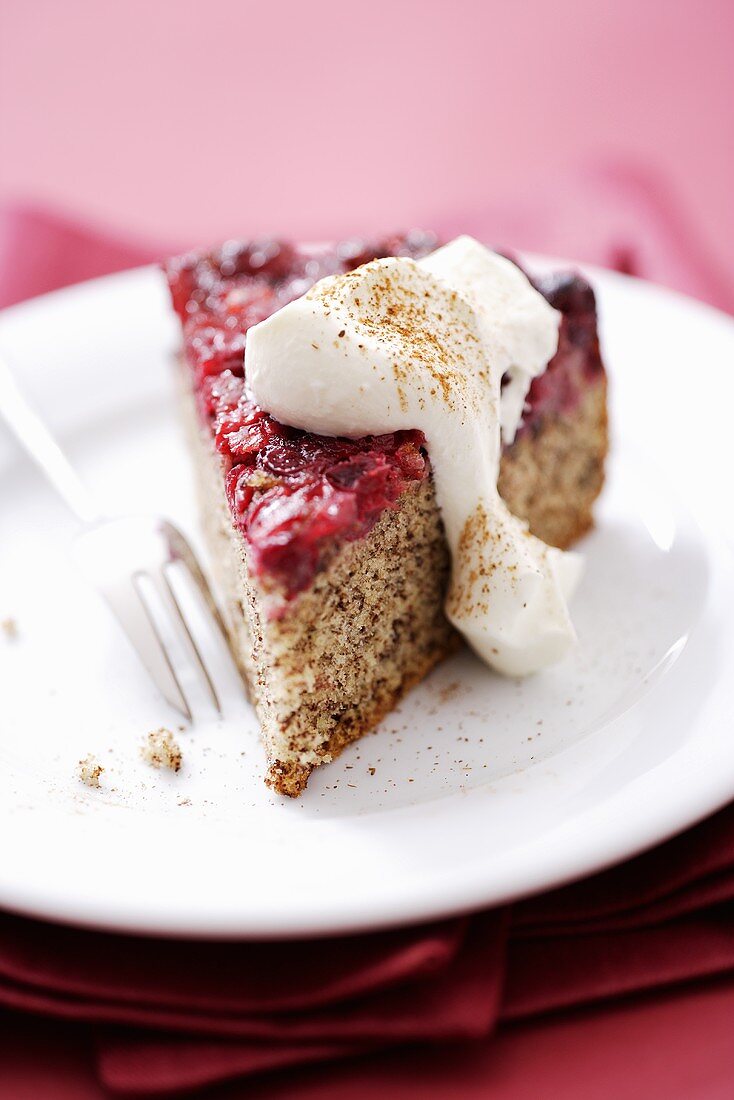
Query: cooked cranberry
column 285, row 531
column 376, row 482
column 239, row 489
column 285, row 456
column 218, row 395
column 412, row 461
column 347, row 474
column 268, row 257
column 213, row 347
column 415, row 243
column 244, row 437
column 567, row 291
column 181, row 273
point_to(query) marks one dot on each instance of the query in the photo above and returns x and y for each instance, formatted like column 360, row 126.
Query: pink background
column 189, row 121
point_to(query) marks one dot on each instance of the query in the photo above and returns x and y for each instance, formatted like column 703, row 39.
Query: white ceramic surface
column 477, row 790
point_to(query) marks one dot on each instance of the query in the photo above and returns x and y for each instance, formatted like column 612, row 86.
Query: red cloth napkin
column 41, row 251
column 146, row 1017
column 168, row 1016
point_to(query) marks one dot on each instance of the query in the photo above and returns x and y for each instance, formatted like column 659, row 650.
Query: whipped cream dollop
column 401, row 344
column 518, row 327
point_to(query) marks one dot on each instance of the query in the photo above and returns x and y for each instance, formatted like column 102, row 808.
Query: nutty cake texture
column 330, row 554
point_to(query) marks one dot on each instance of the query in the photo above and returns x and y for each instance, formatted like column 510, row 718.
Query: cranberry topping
column 292, row 494
column 577, row 361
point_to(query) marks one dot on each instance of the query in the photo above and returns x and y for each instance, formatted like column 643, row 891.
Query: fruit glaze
column 292, row 494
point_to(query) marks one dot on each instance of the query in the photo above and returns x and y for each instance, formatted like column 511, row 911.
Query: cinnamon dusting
column 413, row 319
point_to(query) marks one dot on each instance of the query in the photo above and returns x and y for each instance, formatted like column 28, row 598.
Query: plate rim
column 705, row 800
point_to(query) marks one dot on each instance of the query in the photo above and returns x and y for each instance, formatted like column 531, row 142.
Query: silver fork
column 123, row 557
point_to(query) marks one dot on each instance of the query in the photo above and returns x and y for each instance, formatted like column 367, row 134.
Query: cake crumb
column 90, row 770
column 161, row 750
column 9, row 628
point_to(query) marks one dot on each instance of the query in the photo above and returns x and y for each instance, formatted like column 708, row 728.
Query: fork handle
column 43, row 448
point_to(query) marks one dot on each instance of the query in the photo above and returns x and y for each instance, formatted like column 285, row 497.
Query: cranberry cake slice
column 330, row 553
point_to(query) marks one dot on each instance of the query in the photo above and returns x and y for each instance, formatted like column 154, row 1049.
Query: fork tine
column 194, row 571
column 132, row 612
column 167, row 593
column 188, row 559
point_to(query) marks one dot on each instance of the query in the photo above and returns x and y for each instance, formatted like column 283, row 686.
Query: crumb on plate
column 9, row 628
column 90, row 770
column 161, row 750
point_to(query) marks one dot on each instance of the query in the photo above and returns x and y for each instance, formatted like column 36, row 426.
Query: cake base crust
column 551, row 477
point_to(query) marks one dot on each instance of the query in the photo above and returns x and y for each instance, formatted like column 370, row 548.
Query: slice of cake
column 330, row 552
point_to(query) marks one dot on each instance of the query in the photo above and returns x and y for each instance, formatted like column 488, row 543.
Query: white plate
column 477, row 790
